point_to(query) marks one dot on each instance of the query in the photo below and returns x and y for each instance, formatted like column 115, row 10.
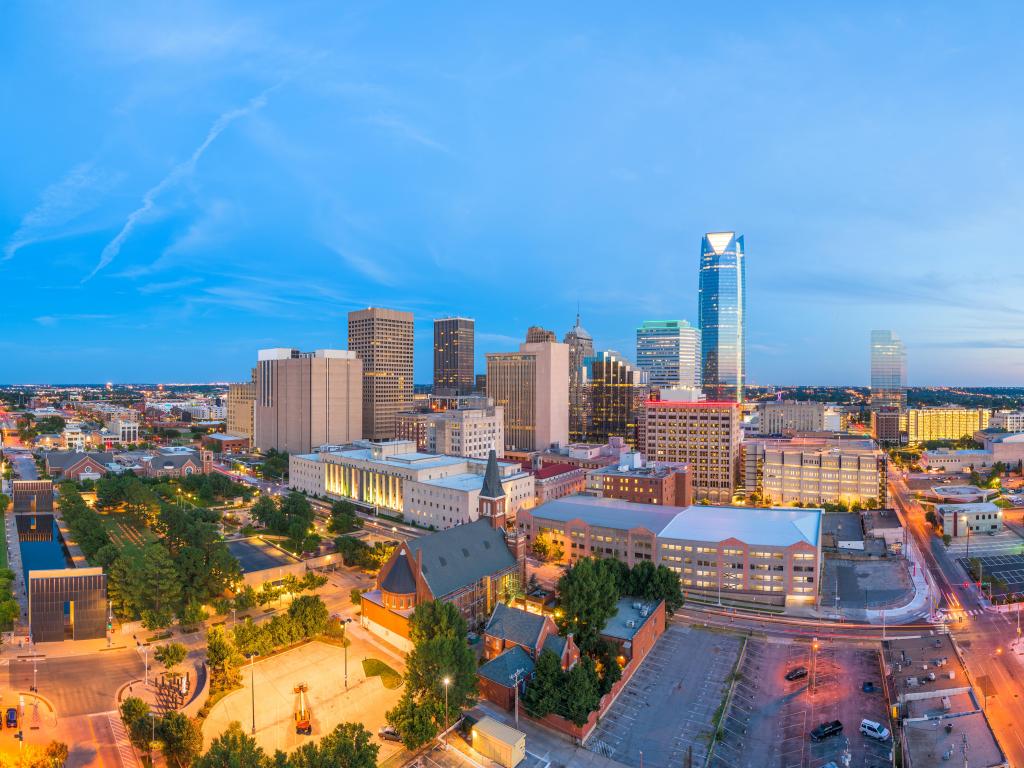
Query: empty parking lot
column 668, row 706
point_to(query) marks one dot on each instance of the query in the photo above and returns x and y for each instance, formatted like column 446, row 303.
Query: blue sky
column 184, row 185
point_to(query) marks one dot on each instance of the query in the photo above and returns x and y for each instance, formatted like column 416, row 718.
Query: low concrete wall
column 200, row 693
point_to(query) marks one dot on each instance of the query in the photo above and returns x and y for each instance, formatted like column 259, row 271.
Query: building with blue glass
column 722, row 309
column 668, row 351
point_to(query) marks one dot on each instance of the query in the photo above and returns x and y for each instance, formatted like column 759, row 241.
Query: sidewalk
column 14, row 563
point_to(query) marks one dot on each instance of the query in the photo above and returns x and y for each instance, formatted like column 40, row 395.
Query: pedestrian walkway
column 125, row 750
column 14, row 563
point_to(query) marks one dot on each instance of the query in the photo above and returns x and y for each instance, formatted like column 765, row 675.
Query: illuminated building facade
column 532, row 386
column 925, row 424
column 581, row 346
column 383, row 340
column 453, row 355
column 615, row 392
column 888, row 371
column 722, row 300
column 668, row 351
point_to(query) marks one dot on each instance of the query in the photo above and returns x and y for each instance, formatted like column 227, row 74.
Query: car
column 387, row 733
column 827, row 730
column 796, row 673
column 12, row 717
column 868, row 687
column 874, row 730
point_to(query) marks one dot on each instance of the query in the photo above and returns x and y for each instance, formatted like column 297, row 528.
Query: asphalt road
column 77, row 685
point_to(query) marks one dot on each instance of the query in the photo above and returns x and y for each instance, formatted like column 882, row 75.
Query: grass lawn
column 123, row 530
column 388, row 676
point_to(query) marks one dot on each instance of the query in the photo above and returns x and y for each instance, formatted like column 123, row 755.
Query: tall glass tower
column 669, row 352
column 722, row 309
column 888, row 370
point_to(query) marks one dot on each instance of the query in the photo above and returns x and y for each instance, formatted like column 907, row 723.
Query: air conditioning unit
column 946, row 704
column 630, row 623
column 952, row 674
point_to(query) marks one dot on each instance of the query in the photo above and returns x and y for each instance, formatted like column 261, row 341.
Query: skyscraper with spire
column 581, row 346
column 722, row 310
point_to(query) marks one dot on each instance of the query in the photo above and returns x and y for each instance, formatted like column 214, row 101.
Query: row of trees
column 358, row 554
column 572, row 694
column 291, row 517
column 275, row 464
column 175, row 734
column 247, row 597
column 589, row 592
column 349, row 745
column 440, row 652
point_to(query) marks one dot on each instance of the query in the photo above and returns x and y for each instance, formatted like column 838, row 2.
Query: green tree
column 265, row 512
column 183, row 741
column 171, row 655
column 540, row 547
column 416, row 723
column 55, row 754
column 162, row 584
column 930, row 518
column 651, row 582
column 344, row 518
column 135, row 715
column 223, row 660
column 234, row 749
column 349, row 745
column 582, row 694
column 309, row 614
column 545, row 692
column 250, row 638
column 588, row 597
column 5, row 502
column 193, row 614
column 947, row 540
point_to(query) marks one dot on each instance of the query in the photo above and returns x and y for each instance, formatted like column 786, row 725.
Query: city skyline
column 236, row 170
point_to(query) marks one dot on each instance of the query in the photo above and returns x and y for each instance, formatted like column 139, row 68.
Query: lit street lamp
column 344, row 644
column 447, row 681
column 252, row 686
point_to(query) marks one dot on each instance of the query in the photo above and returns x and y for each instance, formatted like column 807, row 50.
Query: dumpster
column 499, row 742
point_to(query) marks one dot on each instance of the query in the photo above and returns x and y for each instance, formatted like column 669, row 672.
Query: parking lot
column 666, row 709
column 769, row 720
column 1008, row 569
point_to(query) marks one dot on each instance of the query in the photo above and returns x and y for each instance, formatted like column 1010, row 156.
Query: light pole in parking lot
column 814, row 663
column 447, row 681
column 963, row 519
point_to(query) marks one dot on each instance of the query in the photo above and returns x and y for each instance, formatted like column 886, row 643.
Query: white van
column 874, row 730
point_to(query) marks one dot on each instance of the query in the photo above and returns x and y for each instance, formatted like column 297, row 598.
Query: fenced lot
column 669, row 706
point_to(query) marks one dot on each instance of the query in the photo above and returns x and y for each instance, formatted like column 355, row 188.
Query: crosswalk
column 124, row 745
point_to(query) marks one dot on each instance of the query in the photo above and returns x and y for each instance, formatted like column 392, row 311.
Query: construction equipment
column 303, row 717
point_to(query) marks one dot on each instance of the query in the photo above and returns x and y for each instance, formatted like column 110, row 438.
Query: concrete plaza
column 321, row 667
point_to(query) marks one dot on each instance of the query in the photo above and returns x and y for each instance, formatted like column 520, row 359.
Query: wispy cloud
column 60, row 204
column 168, row 286
column 50, row 320
column 181, row 171
column 407, row 131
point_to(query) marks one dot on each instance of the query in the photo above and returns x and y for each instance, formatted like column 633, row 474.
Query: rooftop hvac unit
column 912, row 682
column 931, row 677
column 946, row 704
column 952, row 674
column 630, row 623
column 637, row 606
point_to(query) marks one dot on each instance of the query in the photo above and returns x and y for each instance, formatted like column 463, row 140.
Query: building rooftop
column 655, row 471
column 970, row 507
column 502, row 669
column 222, row 436
column 607, row 513
column 630, row 615
column 550, row 470
column 414, row 460
column 462, row 555
column 929, row 744
column 515, row 625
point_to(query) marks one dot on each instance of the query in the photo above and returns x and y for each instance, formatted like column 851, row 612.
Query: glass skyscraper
column 888, row 370
column 722, row 309
column 669, row 352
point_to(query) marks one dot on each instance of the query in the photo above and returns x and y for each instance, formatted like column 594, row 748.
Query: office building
column 1007, row 421
column 888, row 371
column 532, row 386
column 453, row 355
column 970, row 519
column 668, row 485
column 887, row 426
column 923, row 424
column 537, row 335
column 241, row 408
column 581, row 346
column 427, row 488
column 779, row 417
column 722, row 298
column 765, row 555
column 814, row 472
column 668, row 351
column 307, row 399
column 481, row 384
column 383, row 340
column 615, row 391
column 553, row 481
column 473, row 429
column 704, row 435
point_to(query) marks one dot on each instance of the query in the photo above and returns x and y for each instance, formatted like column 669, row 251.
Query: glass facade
column 669, row 352
column 581, row 346
column 454, row 355
column 615, row 393
column 888, row 370
column 722, row 306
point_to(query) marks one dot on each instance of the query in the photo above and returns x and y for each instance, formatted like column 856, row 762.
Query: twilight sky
column 181, row 186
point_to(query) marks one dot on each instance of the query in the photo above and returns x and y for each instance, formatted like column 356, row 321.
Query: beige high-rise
column 383, row 340
column 532, row 385
column 241, row 402
column 307, row 399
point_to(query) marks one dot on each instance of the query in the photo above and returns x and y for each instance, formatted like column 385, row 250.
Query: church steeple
column 492, row 494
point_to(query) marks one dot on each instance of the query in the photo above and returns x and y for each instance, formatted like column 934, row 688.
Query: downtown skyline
column 242, row 180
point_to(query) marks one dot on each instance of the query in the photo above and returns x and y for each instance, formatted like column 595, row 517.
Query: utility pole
column 515, row 679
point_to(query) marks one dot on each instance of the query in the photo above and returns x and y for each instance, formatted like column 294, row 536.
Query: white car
column 874, row 730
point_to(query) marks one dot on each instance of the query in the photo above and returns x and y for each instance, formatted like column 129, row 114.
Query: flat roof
column 497, row 730
column 927, row 741
column 405, row 460
column 222, row 436
column 631, row 614
column 51, row 572
column 607, row 513
column 256, row 554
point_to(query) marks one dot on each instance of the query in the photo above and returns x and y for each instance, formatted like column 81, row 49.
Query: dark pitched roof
column 66, row 459
column 502, row 668
column 399, row 580
column 515, row 625
column 492, row 488
column 460, row 556
column 173, row 460
column 555, row 644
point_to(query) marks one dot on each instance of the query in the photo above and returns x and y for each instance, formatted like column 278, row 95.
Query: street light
column 963, row 519
column 344, row 644
column 447, row 681
column 252, row 686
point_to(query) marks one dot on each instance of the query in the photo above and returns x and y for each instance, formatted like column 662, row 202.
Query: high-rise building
column 924, row 424
column 669, row 352
column 535, row 335
column 705, row 435
column 453, row 355
column 888, row 371
column 581, row 346
column 615, row 393
column 241, row 403
column 474, row 428
column 722, row 308
column 307, row 399
column 383, row 340
column 532, row 385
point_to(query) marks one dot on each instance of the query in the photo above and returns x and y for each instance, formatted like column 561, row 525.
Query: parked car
column 796, row 673
column 387, row 733
column 868, row 687
column 874, row 730
column 12, row 717
column 827, row 730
